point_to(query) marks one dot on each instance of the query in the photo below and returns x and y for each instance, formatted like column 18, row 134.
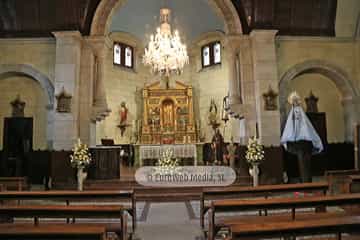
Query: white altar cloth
column 179, row 151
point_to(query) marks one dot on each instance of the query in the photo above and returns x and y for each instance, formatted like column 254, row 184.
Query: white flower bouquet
column 81, row 156
column 255, row 152
column 167, row 163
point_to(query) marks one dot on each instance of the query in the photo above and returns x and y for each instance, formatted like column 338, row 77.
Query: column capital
column 99, row 44
column 69, row 36
column 261, row 34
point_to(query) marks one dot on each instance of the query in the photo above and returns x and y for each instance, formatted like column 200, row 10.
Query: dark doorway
column 17, row 146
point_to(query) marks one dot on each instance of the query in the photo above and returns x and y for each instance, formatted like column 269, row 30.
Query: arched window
column 211, row 54
column 123, row 55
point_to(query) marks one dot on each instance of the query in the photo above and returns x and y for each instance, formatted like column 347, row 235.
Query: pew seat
column 52, row 231
column 309, row 227
column 72, row 211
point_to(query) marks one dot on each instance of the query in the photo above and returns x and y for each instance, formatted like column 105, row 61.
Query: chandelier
column 165, row 53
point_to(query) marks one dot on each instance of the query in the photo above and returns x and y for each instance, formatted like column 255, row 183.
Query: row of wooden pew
column 213, row 201
column 304, row 214
column 69, row 210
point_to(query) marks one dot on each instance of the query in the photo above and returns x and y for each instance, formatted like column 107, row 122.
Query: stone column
column 67, row 77
column 86, row 95
column 232, row 53
column 100, row 46
column 351, row 116
column 265, row 76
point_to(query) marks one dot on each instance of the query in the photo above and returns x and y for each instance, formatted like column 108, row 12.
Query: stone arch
column 45, row 84
column 43, row 80
column 339, row 77
column 104, row 12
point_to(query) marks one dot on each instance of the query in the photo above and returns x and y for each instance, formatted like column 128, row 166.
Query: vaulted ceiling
column 38, row 18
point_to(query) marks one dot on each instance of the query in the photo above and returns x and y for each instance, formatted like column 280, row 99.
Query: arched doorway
column 104, row 12
column 338, row 77
column 337, row 95
column 45, row 85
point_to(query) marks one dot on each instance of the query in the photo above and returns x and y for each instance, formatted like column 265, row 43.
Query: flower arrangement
column 167, row 162
column 255, row 152
column 81, row 156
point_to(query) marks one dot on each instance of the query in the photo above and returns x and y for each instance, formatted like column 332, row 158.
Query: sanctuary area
column 179, row 119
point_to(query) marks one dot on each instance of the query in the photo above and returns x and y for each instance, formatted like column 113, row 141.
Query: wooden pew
column 72, row 211
column 167, row 194
column 352, row 183
column 310, row 227
column 337, row 179
column 264, row 191
column 47, row 231
column 222, row 206
column 14, row 183
column 74, row 196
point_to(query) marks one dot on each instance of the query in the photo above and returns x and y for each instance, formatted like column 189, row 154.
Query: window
column 123, row 55
column 211, row 54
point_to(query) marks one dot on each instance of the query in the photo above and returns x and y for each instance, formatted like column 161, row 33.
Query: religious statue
column 213, row 115
column 123, row 118
column 217, row 144
column 231, row 153
column 18, row 107
column 63, row 102
column 311, row 103
column 300, row 137
column 123, row 113
column 270, row 100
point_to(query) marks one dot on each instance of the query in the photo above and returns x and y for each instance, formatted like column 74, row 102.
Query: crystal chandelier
column 165, row 53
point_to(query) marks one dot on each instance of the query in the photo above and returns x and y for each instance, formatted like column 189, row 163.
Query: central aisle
column 169, row 221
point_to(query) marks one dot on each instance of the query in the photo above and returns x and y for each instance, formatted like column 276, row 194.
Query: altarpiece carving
column 168, row 115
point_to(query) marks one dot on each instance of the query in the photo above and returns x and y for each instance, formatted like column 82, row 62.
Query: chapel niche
column 168, row 116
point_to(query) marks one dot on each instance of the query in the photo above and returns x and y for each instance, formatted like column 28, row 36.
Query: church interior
column 98, row 94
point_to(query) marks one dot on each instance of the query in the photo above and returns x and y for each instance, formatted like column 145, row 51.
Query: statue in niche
column 63, row 102
column 18, row 107
column 311, row 103
column 270, row 100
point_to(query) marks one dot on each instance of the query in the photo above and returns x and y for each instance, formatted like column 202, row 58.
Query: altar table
column 179, row 151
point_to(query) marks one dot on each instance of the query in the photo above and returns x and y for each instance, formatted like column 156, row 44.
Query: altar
column 180, row 151
column 168, row 115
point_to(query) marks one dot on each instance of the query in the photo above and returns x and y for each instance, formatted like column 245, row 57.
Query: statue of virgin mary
column 299, row 137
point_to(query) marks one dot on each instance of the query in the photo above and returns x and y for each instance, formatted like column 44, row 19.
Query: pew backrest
column 14, row 183
column 232, row 192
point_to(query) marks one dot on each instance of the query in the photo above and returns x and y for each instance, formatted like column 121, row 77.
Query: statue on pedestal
column 217, row 144
column 300, row 137
column 231, row 153
column 123, row 118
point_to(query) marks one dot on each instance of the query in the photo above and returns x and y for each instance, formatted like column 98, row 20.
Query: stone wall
column 28, row 58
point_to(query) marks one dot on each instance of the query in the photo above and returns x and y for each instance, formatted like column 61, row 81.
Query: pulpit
column 168, row 115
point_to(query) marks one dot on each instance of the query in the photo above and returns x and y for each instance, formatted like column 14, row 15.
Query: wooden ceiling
column 290, row 17
column 38, row 18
